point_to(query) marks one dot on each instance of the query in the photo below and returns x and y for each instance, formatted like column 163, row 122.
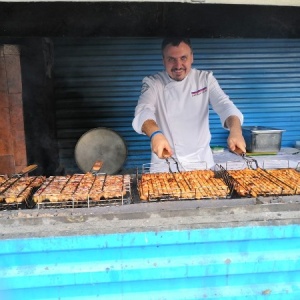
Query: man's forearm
column 149, row 127
column 233, row 123
column 159, row 143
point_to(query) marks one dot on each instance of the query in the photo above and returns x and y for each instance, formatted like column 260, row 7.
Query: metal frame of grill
column 30, row 189
column 86, row 204
column 173, row 194
column 125, row 198
column 232, row 184
column 265, row 175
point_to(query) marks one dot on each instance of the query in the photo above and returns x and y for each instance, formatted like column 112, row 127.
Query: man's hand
column 235, row 139
column 160, row 144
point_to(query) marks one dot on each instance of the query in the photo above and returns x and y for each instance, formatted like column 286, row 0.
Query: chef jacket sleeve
column 145, row 109
column 220, row 102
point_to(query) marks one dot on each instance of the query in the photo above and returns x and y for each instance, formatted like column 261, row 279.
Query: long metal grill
column 89, row 190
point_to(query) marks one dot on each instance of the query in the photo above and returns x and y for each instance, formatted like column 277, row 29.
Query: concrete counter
column 158, row 216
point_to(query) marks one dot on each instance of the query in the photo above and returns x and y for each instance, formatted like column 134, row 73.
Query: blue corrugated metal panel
column 219, row 263
column 98, row 83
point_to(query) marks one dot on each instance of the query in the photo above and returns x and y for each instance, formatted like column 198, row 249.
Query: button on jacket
column 181, row 110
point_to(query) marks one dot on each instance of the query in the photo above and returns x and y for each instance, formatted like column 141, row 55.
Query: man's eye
column 171, row 59
column 183, row 58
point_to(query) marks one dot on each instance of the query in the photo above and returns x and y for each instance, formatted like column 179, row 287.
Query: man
column 173, row 108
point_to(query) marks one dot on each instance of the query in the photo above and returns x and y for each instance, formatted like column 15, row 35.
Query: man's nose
column 177, row 64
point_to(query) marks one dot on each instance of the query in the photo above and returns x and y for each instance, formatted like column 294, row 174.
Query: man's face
column 178, row 60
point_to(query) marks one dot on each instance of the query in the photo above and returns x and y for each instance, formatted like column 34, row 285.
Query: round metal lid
column 101, row 144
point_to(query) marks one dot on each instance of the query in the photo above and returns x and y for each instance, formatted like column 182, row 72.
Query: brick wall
column 13, row 156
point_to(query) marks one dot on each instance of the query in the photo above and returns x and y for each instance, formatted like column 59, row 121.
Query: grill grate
column 264, row 182
column 194, row 184
column 84, row 191
column 16, row 194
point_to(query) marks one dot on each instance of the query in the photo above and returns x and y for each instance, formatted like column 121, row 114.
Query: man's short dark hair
column 175, row 41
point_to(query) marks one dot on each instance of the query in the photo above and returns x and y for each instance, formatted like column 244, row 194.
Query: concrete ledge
column 141, row 217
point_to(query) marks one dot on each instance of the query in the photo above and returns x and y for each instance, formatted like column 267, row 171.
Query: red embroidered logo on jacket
column 201, row 91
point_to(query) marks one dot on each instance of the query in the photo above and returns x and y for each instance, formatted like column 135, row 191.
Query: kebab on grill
column 18, row 191
column 196, row 184
column 259, row 182
column 82, row 187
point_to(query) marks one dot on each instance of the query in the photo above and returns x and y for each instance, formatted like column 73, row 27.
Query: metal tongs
column 167, row 156
column 249, row 160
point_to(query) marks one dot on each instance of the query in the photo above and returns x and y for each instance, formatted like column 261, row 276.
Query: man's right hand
column 160, row 144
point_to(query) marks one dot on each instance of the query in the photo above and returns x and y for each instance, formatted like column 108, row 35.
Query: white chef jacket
column 181, row 110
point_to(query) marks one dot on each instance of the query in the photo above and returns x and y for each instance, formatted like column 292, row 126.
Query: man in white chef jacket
column 173, row 108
